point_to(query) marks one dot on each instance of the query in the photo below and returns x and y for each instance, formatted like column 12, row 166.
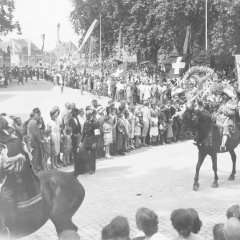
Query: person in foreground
column 117, row 229
column 147, row 222
column 182, row 221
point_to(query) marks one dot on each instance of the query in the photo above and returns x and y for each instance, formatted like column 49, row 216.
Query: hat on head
column 100, row 109
column 68, row 105
column 89, row 112
column 54, row 110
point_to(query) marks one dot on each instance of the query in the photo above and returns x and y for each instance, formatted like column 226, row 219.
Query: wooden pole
column 206, row 22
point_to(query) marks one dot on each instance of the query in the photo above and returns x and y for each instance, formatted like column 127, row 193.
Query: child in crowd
column 46, row 148
column 137, row 130
column 67, row 146
column 154, row 128
column 107, row 135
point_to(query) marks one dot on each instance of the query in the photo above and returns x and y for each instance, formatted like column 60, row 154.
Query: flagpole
column 206, row 39
column 100, row 60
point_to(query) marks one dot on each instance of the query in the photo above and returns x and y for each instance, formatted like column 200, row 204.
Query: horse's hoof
column 69, row 234
column 214, row 185
column 196, row 186
column 231, row 178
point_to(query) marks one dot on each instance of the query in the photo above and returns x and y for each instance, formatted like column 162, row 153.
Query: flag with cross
column 176, row 65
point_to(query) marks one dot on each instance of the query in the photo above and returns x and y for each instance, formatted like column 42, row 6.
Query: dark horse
column 50, row 195
column 208, row 139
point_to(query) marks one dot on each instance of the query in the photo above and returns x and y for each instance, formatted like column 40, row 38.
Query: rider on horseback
column 226, row 115
column 8, row 202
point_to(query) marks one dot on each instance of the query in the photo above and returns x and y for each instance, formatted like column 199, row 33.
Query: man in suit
column 34, row 133
column 89, row 138
column 75, row 125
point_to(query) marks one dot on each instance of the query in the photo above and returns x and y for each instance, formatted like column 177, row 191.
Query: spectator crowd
column 186, row 223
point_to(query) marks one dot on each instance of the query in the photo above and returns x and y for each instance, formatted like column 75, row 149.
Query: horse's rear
column 65, row 194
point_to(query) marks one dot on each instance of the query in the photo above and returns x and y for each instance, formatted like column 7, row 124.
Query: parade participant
column 46, row 148
column 146, row 114
column 19, row 131
column 134, row 93
column 128, row 131
column 67, row 146
column 61, row 82
column 54, row 125
column 74, row 124
column 218, row 232
column 232, row 229
column 20, row 76
column 33, row 131
column 129, row 95
column 41, row 123
column 120, row 132
column 107, row 131
column 225, row 116
column 66, row 115
column 147, row 222
column 7, row 193
column 153, row 128
column 182, row 221
column 137, row 128
column 90, row 131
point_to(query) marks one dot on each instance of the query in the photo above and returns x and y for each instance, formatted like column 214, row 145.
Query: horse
column 208, row 140
column 50, row 195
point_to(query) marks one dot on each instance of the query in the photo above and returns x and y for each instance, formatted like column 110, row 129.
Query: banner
column 43, row 41
column 89, row 32
column 187, row 42
column 237, row 62
column 29, row 47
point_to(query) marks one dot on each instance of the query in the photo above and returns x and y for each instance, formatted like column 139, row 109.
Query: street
column 159, row 178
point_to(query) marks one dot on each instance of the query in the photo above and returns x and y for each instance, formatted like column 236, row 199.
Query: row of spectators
column 186, row 222
column 118, row 128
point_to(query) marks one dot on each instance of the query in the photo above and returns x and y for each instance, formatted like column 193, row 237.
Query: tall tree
column 7, row 23
column 152, row 25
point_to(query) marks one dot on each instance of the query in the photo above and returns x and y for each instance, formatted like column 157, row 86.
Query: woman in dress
column 154, row 127
column 107, row 135
column 54, row 125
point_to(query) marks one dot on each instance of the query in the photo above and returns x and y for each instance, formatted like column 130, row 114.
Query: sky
column 38, row 17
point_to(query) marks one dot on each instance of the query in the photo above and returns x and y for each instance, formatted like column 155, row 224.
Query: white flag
column 87, row 34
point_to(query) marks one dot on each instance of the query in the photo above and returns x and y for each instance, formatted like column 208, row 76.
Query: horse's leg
column 201, row 157
column 234, row 158
column 214, row 167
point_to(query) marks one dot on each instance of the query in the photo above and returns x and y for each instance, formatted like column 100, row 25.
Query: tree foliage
column 7, row 23
column 149, row 26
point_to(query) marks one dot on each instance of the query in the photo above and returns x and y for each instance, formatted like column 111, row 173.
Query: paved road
column 159, row 178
